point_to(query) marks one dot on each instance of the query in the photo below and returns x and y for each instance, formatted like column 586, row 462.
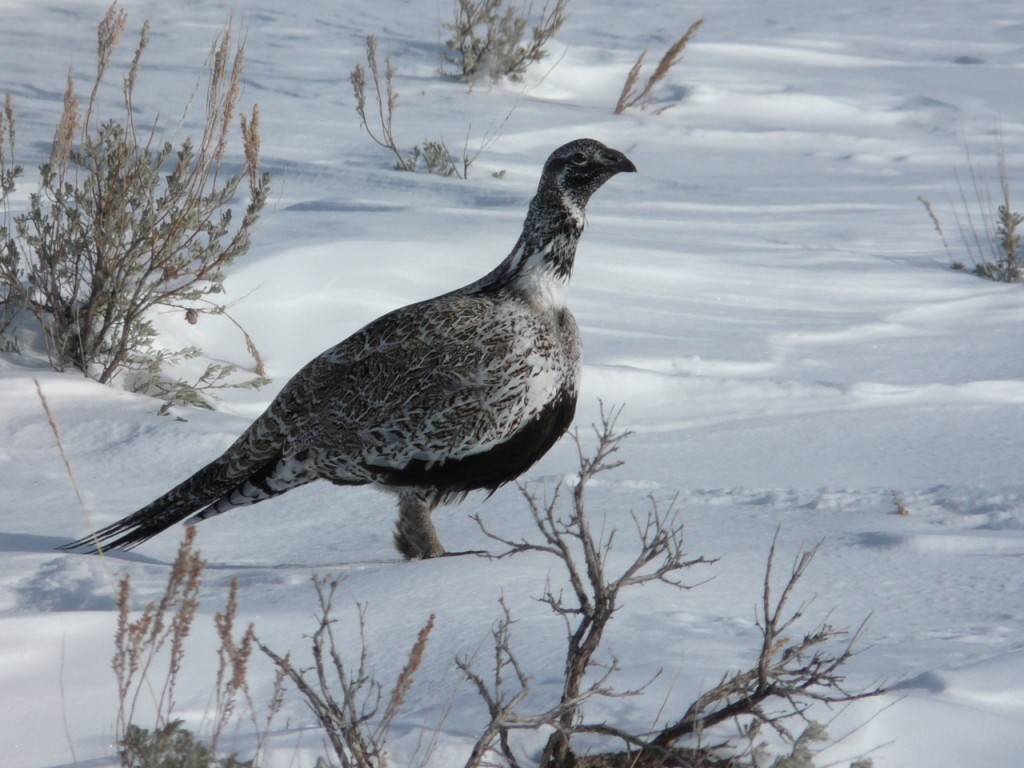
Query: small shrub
column 489, row 38
column 347, row 700
column 990, row 231
column 1006, row 267
column 171, row 746
column 122, row 224
column 791, row 670
column 149, row 652
column 10, row 304
column 435, row 156
column 631, row 95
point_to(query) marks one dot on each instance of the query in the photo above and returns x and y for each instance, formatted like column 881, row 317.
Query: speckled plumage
column 458, row 393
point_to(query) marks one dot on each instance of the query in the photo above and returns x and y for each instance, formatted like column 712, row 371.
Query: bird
column 461, row 392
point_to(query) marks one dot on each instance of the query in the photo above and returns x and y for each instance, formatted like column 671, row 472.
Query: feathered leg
column 415, row 536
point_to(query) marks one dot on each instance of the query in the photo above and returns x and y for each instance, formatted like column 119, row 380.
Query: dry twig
column 345, row 700
column 595, row 593
column 630, row 96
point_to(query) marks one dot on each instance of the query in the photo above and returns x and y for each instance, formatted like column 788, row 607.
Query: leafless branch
column 798, row 670
column 594, row 592
column 347, row 700
column 387, row 102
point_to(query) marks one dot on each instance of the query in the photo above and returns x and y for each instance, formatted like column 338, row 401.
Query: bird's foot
column 477, row 552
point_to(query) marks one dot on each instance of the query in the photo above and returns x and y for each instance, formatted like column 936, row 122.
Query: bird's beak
column 617, row 162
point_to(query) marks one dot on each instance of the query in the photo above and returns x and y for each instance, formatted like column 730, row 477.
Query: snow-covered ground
column 767, row 297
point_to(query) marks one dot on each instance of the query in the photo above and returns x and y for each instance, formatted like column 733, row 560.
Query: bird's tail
column 214, row 489
column 193, row 495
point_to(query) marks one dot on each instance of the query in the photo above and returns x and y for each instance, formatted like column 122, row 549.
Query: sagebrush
column 432, row 155
column 123, row 223
column 172, row 746
column 11, row 295
column 989, row 227
column 149, row 653
column 492, row 39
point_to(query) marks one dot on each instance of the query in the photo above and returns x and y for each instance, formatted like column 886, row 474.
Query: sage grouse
column 461, row 392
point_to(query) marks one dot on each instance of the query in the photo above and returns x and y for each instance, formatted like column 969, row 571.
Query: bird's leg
column 415, row 536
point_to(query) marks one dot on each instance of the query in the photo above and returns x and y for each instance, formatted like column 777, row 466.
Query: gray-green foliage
column 171, row 747
column 1005, row 265
column 118, row 230
column 436, row 159
column 494, row 38
column 151, row 380
column 122, row 224
column 802, row 750
column 9, row 173
column 990, row 231
column 802, row 753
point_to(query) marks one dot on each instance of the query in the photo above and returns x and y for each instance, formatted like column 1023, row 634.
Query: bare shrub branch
column 434, row 155
column 595, row 593
column 792, row 668
column 346, row 700
column 795, row 668
column 501, row 700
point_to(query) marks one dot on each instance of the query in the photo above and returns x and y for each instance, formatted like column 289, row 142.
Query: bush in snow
column 434, row 156
column 489, row 38
column 990, row 231
column 123, row 224
column 10, row 304
column 149, row 651
column 792, row 669
column 171, row 747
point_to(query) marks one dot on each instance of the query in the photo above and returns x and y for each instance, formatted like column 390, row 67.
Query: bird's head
column 542, row 260
column 578, row 169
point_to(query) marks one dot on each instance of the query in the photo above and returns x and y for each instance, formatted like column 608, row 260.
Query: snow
column 767, row 297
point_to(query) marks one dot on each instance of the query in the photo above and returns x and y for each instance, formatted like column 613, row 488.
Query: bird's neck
column 540, row 265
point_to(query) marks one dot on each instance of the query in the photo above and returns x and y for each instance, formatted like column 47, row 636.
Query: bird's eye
column 578, row 158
